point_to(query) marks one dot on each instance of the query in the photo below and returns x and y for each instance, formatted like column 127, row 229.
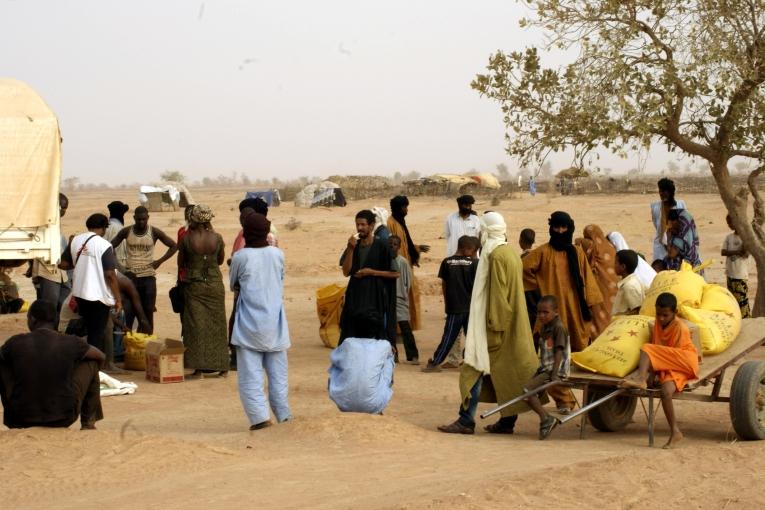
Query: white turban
column 493, row 230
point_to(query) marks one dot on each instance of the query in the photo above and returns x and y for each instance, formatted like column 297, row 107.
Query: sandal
column 547, row 426
column 496, row 428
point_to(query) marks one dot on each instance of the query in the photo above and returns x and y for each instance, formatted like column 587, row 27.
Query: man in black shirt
column 48, row 379
column 371, row 294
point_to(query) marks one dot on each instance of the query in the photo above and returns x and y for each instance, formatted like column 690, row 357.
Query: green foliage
column 172, row 176
column 687, row 72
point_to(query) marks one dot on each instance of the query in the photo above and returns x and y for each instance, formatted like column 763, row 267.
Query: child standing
column 457, row 274
column 671, row 357
column 629, row 298
column 737, row 268
column 554, row 359
column 526, row 242
column 403, row 284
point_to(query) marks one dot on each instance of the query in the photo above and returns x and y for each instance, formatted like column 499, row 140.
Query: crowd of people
column 521, row 313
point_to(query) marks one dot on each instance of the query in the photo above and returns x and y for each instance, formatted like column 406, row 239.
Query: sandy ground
column 180, row 445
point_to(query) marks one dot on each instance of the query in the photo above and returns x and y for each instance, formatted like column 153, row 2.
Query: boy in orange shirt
column 671, row 357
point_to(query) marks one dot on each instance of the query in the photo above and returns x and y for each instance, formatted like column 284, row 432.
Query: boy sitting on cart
column 671, row 358
column 554, row 359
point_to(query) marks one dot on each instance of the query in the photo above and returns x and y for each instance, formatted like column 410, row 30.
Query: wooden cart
column 610, row 408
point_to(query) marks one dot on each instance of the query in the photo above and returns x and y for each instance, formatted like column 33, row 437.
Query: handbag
column 176, row 297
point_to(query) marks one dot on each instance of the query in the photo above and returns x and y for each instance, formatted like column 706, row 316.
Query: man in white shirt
column 737, row 268
column 464, row 222
column 117, row 212
column 631, row 294
column 94, row 280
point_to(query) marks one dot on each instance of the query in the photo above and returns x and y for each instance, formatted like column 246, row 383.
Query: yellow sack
column 25, row 307
column 719, row 299
column 135, row 349
column 616, row 351
column 329, row 307
column 687, row 287
column 717, row 329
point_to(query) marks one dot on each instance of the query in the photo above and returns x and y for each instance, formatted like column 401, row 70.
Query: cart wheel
column 613, row 415
column 747, row 401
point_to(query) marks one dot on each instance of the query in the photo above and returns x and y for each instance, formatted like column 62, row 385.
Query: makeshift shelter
column 269, row 196
column 326, row 194
column 445, row 184
column 165, row 197
column 30, row 169
column 573, row 173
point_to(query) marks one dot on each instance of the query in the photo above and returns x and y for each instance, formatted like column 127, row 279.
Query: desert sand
column 187, row 445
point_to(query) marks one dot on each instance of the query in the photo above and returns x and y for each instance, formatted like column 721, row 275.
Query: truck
column 30, row 174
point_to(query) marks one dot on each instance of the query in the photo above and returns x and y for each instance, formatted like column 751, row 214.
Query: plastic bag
column 329, row 307
column 361, row 375
column 135, row 349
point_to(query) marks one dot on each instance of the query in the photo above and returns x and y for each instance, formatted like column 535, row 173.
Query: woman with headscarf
column 399, row 208
column 601, row 256
column 659, row 211
column 499, row 347
column 644, row 271
column 560, row 268
column 683, row 238
column 260, row 333
column 204, row 315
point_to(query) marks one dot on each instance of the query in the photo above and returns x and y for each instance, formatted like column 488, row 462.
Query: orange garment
column 546, row 270
column 673, row 356
column 601, row 255
column 396, row 229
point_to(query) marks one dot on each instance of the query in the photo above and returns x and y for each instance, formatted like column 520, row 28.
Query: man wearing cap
column 117, row 212
column 141, row 266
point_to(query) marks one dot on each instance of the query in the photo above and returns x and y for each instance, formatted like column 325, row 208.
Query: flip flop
column 547, row 426
column 496, row 428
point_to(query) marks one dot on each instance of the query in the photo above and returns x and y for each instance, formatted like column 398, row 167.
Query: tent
column 30, row 169
column 270, row 196
column 165, row 197
column 326, row 194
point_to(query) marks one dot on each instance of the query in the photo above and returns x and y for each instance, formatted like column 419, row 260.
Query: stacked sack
column 711, row 307
column 616, row 352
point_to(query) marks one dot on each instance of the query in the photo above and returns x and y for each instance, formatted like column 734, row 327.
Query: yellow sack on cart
column 329, row 307
column 616, row 352
column 719, row 299
column 135, row 350
column 685, row 285
column 717, row 330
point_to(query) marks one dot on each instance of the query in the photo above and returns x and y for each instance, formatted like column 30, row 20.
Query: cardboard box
column 164, row 361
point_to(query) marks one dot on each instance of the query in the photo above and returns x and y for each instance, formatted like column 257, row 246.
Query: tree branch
column 759, row 204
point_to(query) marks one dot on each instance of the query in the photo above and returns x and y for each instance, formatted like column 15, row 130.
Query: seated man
column 48, row 379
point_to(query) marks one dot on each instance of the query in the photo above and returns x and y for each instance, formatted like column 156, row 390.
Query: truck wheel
column 747, row 401
column 612, row 415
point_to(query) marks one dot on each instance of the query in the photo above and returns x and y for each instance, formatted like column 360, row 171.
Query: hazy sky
column 267, row 88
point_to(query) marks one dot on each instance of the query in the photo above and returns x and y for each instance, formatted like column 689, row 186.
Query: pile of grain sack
column 711, row 311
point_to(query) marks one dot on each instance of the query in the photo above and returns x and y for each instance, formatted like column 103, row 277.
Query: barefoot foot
column 675, row 438
column 633, row 381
